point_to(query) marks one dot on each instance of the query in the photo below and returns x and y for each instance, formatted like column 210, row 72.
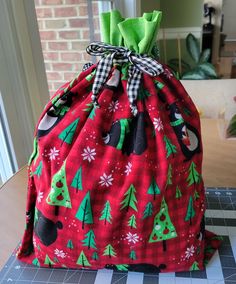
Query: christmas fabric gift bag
column 115, row 175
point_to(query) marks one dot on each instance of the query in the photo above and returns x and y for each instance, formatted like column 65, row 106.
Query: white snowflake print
column 113, row 106
column 53, row 153
column 89, row 154
column 40, row 197
column 34, row 242
column 168, row 74
column 132, row 238
column 189, row 252
column 59, row 253
column 128, row 168
column 106, row 180
column 158, row 124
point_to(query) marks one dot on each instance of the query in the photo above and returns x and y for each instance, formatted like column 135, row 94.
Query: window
column 7, row 162
column 66, row 28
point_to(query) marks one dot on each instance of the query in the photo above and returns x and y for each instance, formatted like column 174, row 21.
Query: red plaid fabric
column 93, row 204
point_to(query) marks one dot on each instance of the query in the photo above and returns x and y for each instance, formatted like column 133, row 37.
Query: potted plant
column 199, row 68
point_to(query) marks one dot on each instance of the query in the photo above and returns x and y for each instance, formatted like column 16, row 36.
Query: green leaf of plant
column 155, row 51
column 175, row 73
column 208, row 69
column 193, row 48
column 194, row 75
column 205, row 55
column 231, row 130
column 174, row 63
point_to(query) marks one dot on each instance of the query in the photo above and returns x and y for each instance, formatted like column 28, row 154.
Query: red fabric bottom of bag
column 211, row 244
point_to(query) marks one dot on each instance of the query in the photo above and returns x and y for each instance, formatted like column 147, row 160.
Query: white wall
column 213, row 97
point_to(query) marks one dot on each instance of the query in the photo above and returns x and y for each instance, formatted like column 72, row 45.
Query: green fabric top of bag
column 137, row 34
column 109, row 28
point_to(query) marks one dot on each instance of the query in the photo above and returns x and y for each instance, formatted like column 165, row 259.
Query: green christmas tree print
column 122, row 267
column 90, row 76
column 132, row 221
column 124, row 71
column 56, row 98
column 194, row 177
column 67, row 134
column 63, row 91
column 194, row 266
column 132, row 255
column 148, row 210
column 92, row 113
column 163, row 228
column 77, row 180
column 170, row 148
column 61, row 110
column 91, row 109
column 38, row 171
column 106, row 213
column 48, row 261
column 159, row 85
column 169, row 175
column 64, row 266
column 143, row 94
column 59, row 194
column 124, row 129
column 196, row 195
column 36, row 215
column 35, row 154
column 186, row 111
column 190, row 211
column 84, row 213
column 70, row 245
column 178, row 193
column 130, row 199
column 109, row 251
column 209, row 249
column 154, row 132
column 69, row 85
column 88, row 108
column 36, row 262
column 153, row 188
column 89, row 88
column 82, row 260
column 95, row 256
column 89, row 241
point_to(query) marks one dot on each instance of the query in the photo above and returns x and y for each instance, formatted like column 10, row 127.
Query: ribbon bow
column 114, row 54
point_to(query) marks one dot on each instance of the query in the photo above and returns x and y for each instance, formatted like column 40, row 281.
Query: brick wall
column 64, row 33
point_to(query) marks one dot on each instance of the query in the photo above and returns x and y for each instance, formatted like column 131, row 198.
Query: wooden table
column 219, row 156
column 12, row 213
column 219, row 169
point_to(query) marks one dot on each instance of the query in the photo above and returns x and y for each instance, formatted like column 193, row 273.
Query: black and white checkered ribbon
column 87, row 66
column 140, row 63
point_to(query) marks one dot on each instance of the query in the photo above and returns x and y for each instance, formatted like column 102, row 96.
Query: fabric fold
column 137, row 34
column 109, row 28
column 140, row 33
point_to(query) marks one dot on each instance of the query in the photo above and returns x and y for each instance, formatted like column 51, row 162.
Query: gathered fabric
column 119, row 55
column 115, row 177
